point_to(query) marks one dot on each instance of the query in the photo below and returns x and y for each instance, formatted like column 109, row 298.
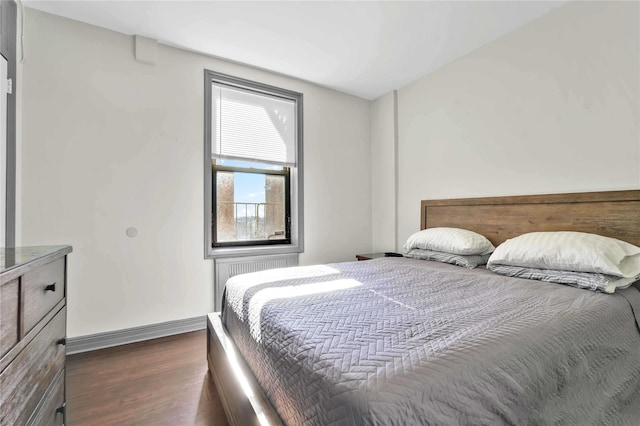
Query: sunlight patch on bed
column 397, row 302
column 262, row 297
column 238, row 285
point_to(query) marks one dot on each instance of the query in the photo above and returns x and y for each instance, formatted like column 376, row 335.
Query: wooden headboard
column 613, row 214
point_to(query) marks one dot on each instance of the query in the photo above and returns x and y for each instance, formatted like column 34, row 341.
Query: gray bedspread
column 397, row 341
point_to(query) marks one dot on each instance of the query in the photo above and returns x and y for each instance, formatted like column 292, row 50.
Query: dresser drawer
column 9, row 300
column 24, row 382
column 50, row 412
column 43, row 289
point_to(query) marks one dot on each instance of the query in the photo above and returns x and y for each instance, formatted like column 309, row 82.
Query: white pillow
column 570, row 251
column 450, row 240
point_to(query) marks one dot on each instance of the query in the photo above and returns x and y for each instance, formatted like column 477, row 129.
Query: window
column 253, row 178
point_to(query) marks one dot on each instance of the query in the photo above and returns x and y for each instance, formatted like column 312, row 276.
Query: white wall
column 109, row 143
column 550, row 107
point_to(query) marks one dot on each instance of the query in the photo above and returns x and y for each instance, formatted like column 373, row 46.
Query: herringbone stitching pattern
column 424, row 344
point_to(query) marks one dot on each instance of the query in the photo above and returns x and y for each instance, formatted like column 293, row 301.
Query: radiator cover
column 226, row 268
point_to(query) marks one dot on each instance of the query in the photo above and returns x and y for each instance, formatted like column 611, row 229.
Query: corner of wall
column 384, row 172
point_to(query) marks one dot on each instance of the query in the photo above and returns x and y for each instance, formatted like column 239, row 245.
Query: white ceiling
column 362, row 48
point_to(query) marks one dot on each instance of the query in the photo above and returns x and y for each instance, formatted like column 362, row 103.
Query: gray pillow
column 586, row 280
column 466, row 261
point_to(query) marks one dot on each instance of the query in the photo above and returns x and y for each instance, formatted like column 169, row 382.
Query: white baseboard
column 137, row 334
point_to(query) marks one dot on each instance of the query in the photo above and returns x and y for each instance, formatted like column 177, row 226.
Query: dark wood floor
column 158, row 382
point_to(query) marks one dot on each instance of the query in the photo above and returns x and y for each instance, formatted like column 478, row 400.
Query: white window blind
column 252, row 126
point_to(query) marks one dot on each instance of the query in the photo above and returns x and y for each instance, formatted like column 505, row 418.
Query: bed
column 371, row 343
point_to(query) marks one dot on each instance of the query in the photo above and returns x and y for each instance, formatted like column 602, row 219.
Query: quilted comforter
column 397, row 341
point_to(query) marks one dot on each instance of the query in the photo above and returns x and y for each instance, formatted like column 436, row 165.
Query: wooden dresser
column 33, row 335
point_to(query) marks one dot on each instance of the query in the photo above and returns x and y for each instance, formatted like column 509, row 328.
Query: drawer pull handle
column 50, row 287
column 62, row 341
column 61, row 409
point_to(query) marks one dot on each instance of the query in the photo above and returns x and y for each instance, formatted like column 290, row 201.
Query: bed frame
column 614, row 214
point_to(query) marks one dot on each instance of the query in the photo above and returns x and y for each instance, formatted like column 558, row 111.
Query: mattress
column 396, row 341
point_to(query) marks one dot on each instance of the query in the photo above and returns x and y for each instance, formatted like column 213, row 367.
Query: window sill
column 221, row 252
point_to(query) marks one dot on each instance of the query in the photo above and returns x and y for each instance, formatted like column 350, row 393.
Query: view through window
column 251, row 202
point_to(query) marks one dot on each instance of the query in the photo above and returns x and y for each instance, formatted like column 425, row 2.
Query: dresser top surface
column 15, row 257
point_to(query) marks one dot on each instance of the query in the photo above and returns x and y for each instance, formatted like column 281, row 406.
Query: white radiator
column 226, row 268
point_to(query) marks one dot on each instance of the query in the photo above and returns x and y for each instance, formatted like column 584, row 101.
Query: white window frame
column 296, row 174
